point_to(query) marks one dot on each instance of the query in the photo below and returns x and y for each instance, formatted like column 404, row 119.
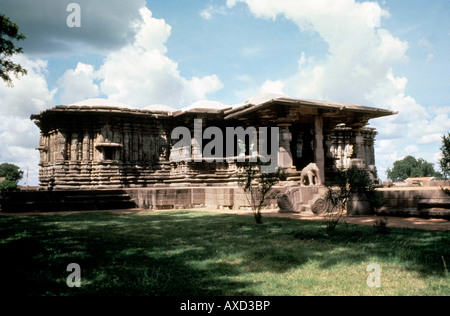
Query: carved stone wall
column 102, row 150
column 345, row 144
column 104, row 147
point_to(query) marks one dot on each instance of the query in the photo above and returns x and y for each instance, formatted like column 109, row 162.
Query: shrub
column 8, row 186
column 346, row 183
column 257, row 186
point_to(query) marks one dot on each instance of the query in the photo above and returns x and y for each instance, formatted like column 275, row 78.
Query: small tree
column 12, row 175
column 347, row 183
column 9, row 31
column 445, row 160
column 444, row 163
column 258, row 186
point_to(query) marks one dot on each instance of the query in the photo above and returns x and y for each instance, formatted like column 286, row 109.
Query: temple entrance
column 302, row 145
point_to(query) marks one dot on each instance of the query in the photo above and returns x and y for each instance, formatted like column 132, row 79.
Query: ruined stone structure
column 96, row 144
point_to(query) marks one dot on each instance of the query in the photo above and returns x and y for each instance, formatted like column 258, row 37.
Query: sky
column 392, row 54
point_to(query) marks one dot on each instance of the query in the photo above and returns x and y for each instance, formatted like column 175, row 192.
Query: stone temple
column 100, row 144
column 101, row 155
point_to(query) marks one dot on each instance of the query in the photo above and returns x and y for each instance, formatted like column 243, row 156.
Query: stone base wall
column 67, row 175
column 101, row 175
column 225, row 197
column 415, row 201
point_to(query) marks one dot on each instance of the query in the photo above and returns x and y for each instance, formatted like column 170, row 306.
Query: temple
column 98, row 143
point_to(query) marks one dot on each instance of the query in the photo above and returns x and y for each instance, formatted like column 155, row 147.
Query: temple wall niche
column 345, row 145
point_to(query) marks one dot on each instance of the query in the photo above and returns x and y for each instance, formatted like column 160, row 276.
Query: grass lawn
column 200, row 253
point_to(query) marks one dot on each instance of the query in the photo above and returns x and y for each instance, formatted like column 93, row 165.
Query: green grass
column 201, row 253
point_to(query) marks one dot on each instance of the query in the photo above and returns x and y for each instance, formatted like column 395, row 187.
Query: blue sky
column 391, row 54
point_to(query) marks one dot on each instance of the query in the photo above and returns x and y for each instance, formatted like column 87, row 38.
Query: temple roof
column 102, row 102
column 273, row 108
column 263, row 101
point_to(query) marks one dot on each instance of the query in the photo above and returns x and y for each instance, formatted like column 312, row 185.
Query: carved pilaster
column 284, row 152
column 319, row 153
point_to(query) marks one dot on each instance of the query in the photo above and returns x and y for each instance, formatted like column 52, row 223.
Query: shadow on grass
column 188, row 253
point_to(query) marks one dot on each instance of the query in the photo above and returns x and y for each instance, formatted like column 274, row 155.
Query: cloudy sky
column 391, row 54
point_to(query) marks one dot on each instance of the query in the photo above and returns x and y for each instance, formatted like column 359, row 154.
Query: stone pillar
column 359, row 144
column 86, row 146
column 43, row 150
column 74, row 147
column 284, row 152
column 319, row 153
column 369, row 141
column 60, row 148
column 126, row 143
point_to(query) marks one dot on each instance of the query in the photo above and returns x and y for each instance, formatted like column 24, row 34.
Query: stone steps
column 432, row 203
column 425, row 208
column 415, row 212
column 59, row 201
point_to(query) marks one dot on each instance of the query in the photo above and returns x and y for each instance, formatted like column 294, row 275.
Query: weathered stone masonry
column 98, row 146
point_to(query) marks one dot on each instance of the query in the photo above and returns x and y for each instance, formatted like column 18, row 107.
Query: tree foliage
column 12, row 175
column 258, row 186
column 345, row 184
column 410, row 167
column 9, row 31
column 444, row 163
column 11, row 172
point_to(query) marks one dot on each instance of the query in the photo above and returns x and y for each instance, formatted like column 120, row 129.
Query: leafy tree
column 12, row 175
column 11, row 172
column 444, row 163
column 8, row 186
column 349, row 182
column 411, row 167
column 9, row 31
column 258, row 186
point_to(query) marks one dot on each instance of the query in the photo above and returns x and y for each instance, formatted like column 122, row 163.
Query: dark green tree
column 411, row 167
column 12, row 175
column 10, row 172
column 444, row 163
column 9, row 32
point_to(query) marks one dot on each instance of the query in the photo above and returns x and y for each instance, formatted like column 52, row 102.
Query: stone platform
column 415, row 201
column 423, row 202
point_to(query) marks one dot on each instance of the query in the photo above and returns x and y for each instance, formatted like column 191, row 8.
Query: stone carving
column 285, row 205
column 318, row 205
column 310, row 175
column 342, row 156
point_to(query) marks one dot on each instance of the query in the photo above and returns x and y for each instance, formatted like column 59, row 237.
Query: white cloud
column 18, row 135
column 211, row 10
column 206, row 14
column 251, row 51
column 147, row 76
column 357, row 69
column 78, row 84
column 30, row 93
column 273, row 87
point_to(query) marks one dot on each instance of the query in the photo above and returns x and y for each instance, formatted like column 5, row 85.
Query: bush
column 348, row 182
column 257, row 186
column 380, row 225
column 8, row 186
